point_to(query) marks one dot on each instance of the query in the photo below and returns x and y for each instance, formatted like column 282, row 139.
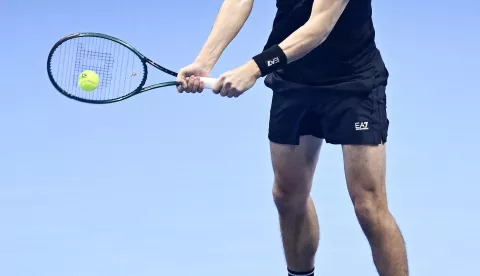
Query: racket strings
column 103, row 67
column 120, row 71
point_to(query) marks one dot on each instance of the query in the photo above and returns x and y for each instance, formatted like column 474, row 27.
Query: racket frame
column 138, row 90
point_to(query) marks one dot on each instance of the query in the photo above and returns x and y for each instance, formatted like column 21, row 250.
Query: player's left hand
column 235, row 82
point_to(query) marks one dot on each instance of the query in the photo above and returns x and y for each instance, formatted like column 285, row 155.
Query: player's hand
column 189, row 78
column 234, row 83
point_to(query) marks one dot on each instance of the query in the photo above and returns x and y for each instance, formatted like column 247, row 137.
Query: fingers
column 218, row 86
column 182, row 81
column 223, row 86
column 190, row 84
column 227, row 85
column 188, row 81
column 227, row 88
column 228, row 91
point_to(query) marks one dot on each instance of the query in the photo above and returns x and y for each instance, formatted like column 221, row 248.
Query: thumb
column 218, row 85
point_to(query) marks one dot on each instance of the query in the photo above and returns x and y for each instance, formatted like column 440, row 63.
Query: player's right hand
column 189, row 78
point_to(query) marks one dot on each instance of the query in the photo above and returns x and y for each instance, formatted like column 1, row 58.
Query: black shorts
column 352, row 112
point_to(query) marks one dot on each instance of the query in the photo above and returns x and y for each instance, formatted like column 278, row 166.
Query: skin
column 294, row 165
column 232, row 16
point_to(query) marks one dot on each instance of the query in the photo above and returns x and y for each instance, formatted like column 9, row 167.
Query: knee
column 371, row 211
column 369, row 198
column 367, row 211
column 290, row 195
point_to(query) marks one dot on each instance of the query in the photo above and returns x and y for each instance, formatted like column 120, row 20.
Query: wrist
column 253, row 67
column 271, row 60
column 205, row 64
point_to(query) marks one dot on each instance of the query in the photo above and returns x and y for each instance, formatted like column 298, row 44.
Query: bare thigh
column 294, row 165
column 365, row 175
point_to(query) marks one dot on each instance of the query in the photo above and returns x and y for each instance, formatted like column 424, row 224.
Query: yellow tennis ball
column 88, row 80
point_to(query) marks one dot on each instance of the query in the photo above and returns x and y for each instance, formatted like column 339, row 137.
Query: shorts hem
column 343, row 142
column 280, row 141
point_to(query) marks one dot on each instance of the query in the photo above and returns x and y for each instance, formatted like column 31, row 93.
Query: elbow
column 248, row 4
column 317, row 33
column 320, row 37
column 317, row 37
column 245, row 2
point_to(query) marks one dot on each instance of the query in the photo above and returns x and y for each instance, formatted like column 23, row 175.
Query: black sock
column 304, row 273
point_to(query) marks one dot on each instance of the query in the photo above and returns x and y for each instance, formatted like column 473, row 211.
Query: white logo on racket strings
column 273, row 61
column 361, row 126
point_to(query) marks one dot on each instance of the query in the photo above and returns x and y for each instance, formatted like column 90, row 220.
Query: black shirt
column 348, row 52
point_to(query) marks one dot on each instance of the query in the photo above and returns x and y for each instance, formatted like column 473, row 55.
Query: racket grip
column 209, row 82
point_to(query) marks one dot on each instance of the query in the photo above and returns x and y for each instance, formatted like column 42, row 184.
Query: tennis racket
column 122, row 70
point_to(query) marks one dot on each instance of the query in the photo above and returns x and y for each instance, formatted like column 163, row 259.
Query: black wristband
column 271, row 60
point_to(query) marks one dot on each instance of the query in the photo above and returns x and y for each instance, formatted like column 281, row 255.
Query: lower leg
column 294, row 167
column 386, row 241
column 365, row 168
column 300, row 234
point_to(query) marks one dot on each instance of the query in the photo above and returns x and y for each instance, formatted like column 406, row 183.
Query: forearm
column 230, row 19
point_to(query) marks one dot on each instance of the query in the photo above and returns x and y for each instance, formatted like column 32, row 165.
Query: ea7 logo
column 273, row 61
column 361, row 126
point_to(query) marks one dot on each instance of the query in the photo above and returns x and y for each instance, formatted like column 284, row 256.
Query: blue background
column 168, row 183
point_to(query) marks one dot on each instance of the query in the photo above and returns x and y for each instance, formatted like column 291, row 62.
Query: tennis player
column 328, row 81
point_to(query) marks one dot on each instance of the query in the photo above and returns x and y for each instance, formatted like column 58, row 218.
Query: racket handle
column 209, row 82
